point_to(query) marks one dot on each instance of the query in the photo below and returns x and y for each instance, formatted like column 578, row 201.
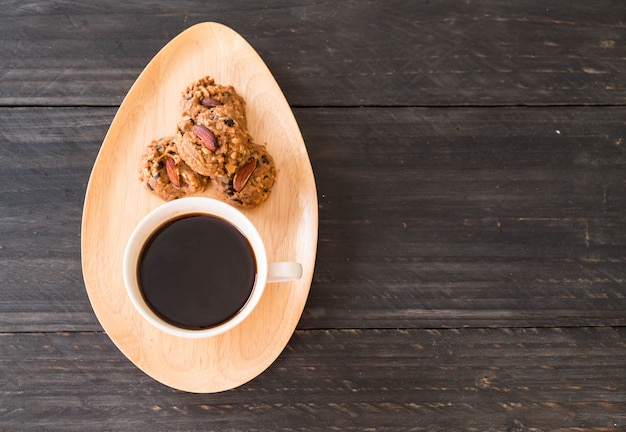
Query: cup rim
column 175, row 209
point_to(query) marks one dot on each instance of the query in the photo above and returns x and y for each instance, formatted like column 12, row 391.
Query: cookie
column 164, row 173
column 224, row 101
column 251, row 183
column 211, row 143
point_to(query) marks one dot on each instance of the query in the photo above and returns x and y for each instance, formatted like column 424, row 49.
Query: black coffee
column 197, row 271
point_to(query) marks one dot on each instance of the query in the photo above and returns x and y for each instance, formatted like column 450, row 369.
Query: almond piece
column 210, row 102
column 206, row 137
column 244, row 173
column 172, row 172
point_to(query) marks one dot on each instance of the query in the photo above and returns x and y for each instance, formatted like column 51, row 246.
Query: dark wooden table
column 470, row 159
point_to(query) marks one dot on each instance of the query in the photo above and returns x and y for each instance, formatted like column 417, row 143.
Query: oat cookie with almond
column 212, row 143
column 252, row 181
column 205, row 95
column 164, row 173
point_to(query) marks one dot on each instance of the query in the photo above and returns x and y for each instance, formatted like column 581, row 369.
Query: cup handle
column 283, row 271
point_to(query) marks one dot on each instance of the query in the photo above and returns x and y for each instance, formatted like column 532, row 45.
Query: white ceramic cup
column 176, row 209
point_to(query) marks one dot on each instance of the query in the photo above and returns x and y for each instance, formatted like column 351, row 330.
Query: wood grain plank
column 468, row 217
column 561, row 379
column 45, row 160
column 490, row 218
column 483, row 52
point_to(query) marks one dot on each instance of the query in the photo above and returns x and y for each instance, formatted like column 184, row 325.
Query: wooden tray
column 115, row 202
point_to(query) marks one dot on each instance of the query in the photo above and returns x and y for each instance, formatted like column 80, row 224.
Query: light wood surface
column 116, row 201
